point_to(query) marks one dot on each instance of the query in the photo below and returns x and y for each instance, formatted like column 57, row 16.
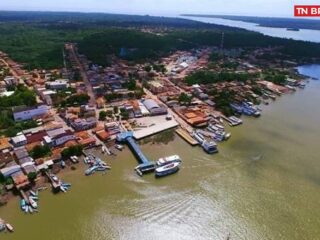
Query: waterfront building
column 154, row 108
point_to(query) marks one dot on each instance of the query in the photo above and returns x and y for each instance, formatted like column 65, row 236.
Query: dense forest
column 37, row 38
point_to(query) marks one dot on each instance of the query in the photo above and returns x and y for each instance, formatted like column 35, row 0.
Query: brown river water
column 263, row 184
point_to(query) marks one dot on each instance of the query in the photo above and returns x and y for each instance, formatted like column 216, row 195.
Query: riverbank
column 262, row 185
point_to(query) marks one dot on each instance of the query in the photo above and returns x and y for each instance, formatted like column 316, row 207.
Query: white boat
column 33, row 203
column 119, row 147
column 55, row 178
column 9, row 227
column 167, row 169
column 74, row 159
column 63, row 189
column 30, row 209
column 168, row 160
column 32, row 193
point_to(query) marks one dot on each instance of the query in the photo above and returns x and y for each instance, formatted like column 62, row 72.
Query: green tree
column 32, row 176
column 148, row 68
column 40, row 151
column 184, row 98
column 75, row 150
column 102, row 115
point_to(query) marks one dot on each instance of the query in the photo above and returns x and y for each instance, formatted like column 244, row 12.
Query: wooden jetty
column 186, row 136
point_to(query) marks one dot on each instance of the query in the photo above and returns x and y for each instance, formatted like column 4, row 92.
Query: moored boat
column 9, row 227
column 167, row 169
column 168, row 160
column 119, row 147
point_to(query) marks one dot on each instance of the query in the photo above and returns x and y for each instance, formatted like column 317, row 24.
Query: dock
column 145, row 164
column 154, row 125
column 186, row 136
column 55, row 185
column 24, row 196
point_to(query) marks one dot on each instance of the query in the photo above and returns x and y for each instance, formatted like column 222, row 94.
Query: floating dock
column 145, row 165
column 186, row 136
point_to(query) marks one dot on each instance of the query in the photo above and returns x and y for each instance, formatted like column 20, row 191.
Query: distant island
column 290, row 24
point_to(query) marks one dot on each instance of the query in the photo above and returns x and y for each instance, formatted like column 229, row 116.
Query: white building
column 27, row 113
column 58, row 84
column 19, row 140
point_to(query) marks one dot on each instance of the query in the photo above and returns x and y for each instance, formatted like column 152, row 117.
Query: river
column 263, row 184
column 303, row 34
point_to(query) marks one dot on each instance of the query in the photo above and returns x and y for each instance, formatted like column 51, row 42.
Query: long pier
column 186, row 136
column 145, row 164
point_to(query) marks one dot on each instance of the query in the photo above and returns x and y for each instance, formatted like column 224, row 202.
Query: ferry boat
column 168, row 160
column 167, row 169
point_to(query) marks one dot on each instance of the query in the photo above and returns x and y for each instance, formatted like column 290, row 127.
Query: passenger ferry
column 168, row 160
column 167, row 169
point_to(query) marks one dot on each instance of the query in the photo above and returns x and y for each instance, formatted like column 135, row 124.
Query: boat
column 33, row 203
column 210, row 147
column 23, row 204
column 32, row 193
column 63, row 189
column 167, row 169
column 90, row 170
column 54, row 178
column 2, row 225
column 9, row 227
column 30, row 209
column 74, row 159
column 66, row 184
column 119, row 147
column 35, row 198
column 168, row 160
column 227, row 136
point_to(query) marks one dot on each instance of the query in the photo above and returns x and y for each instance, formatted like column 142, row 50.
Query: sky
column 280, row 8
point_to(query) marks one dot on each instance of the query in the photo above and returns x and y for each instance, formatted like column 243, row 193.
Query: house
column 23, row 113
column 20, row 153
column 80, row 124
column 9, row 171
column 20, row 180
column 62, row 138
column 19, row 140
column 4, row 144
column 5, row 158
column 156, row 87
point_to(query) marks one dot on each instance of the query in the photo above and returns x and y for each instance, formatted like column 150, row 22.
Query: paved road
column 84, row 76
